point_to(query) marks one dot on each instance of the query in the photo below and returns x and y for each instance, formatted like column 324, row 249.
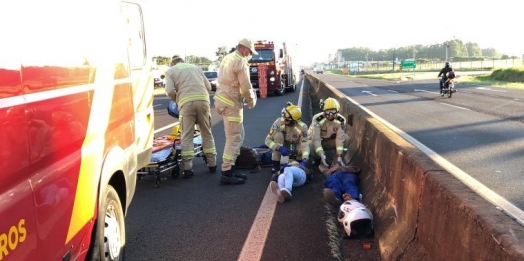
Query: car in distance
column 212, row 76
column 159, row 82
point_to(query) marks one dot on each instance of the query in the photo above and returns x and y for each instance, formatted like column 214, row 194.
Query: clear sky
column 315, row 29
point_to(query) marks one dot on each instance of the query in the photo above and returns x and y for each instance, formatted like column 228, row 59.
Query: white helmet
column 356, row 218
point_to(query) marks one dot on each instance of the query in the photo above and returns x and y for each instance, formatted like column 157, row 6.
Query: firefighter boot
column 238, row 175
column 188, row 174
column 228, row 178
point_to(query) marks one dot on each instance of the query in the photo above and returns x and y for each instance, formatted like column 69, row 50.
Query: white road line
column 299, row 103
column 392, row 91
column 256, row 239
column 419, row 90
column 370, row 93
column 489, row 89
column 454, row 106
column 469, row 181
column 166, row 127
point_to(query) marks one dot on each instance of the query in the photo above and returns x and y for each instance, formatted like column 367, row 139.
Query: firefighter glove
column 283, row 151
column 323, row 160
column 252, row 101
column 340, row 161
column 303, row 163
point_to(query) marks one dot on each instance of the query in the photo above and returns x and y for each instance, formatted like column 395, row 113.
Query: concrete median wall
column 421, row 212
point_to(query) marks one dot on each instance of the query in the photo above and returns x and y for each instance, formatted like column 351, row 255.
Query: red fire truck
column 76, row 121
column 279, row 69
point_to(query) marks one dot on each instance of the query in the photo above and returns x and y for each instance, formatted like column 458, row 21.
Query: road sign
column 408, row 64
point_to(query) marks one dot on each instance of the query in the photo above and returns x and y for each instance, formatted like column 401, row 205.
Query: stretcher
column 166, row 157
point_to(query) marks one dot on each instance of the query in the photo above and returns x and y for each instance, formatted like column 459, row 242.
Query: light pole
column 447, row 46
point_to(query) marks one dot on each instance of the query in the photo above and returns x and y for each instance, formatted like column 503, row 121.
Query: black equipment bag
column 248, row 159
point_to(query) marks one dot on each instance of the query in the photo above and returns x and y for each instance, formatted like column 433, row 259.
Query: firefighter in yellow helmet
column 234, row 88
column 187, row 85
column 288, row 137
column 327, row 131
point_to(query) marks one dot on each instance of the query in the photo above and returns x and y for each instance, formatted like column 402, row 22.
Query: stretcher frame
column 172, row 163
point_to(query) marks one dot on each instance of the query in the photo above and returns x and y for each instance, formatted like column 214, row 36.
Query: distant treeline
column 456, row 51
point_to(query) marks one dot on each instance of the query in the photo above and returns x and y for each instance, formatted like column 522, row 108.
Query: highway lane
column 198, row 219
column 479, row 129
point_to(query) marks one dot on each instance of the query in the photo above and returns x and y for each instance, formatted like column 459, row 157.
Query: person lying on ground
column 343, row 192
column 289, row 177
column 342, row 183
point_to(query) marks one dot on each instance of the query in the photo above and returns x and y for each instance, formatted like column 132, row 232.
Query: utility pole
column 394, row 54
column 447, row 46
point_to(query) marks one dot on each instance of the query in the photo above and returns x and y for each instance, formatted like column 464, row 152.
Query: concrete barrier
column 421, row 212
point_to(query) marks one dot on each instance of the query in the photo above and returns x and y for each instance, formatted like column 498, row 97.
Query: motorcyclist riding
column 444, row 73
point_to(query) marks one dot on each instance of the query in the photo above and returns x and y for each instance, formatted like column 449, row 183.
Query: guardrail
column 421, row 211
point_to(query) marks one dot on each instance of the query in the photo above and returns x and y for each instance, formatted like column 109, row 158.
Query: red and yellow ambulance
column 76, row 121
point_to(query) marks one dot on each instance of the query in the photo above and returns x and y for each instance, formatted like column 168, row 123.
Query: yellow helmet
column 292, row 112
column 176, row 130
column 329, row 104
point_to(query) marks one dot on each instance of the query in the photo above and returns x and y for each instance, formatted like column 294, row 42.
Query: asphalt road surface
column 198, row 219
column 477, row 133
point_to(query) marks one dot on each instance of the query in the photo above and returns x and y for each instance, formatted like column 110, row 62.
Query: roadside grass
column 512, row 78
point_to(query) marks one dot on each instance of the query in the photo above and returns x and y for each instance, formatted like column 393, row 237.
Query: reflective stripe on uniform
column 225, row 100
column 187, row 153
column 235, row 119
column 229, row 157
column 318, row 149
column 183, row 66
column 210, row 151
column 231, row 58
column 193, row 97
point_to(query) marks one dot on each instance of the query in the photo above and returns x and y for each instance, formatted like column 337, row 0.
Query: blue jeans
column 291, row 177
column 342, row 182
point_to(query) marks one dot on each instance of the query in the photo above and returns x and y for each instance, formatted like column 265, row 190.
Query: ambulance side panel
column 75, row 114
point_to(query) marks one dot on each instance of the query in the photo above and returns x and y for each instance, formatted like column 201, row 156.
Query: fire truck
column 76, row 119
column 279, row 71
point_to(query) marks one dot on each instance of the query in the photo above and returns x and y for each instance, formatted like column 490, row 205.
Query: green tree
column 221, row 53
column 162, row 60
column 473, row 49
column 489, row 52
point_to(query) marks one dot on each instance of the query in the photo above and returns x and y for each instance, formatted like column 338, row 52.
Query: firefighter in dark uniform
column 288, row 135
column 187, row 85
column 327, row 131
column 444, row 73
column 234, row 88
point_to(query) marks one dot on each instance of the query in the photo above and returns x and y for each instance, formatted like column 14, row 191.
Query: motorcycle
column 448, row 88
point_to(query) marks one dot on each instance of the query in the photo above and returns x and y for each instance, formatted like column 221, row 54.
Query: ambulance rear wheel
column 107, row 243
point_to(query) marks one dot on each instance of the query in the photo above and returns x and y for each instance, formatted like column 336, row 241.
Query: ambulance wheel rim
column 112, row 234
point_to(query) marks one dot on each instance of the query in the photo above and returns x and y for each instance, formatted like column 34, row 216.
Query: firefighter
column 288, row 135
column 234, row 88
column 327, row 131
column 187, row 85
